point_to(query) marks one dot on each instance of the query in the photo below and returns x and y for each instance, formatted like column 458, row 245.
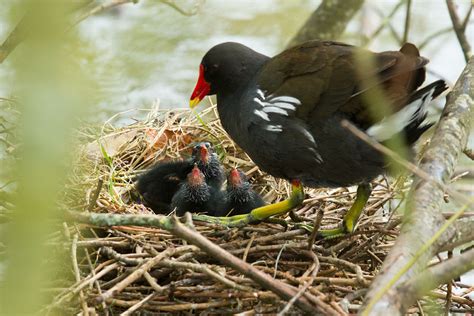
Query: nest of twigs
column 148, row 270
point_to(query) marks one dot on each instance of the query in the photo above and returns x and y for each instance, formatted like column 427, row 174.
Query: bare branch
column 466, row 19
column 423, row 218
column 328, row 21
column 18, row 34
column 23, row 28
column 432, row 277
column 459, row 28
column 386, row 22
column 458, row 234
column 101, row 8
column 191, row 12
column 469, row 153
column 407, row 22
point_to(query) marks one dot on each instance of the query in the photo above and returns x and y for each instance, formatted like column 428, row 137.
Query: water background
column 139, row 53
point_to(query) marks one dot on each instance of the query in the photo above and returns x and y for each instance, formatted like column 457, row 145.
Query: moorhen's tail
column 417, row 125
column 411, row 119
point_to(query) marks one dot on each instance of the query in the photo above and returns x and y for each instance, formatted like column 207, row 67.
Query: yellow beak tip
column 194, row 102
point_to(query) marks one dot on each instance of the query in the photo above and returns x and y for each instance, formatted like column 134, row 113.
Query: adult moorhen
column 241, row 198
column 286, row 112
column 195, row 195
column 158, row 185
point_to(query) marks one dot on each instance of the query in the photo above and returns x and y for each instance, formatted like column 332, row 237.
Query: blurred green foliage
column 52, row 92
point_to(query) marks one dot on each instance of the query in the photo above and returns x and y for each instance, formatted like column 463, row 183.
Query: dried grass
column 184, row 279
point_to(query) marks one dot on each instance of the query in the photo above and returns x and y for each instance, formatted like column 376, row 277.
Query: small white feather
column 274, row 109
column 258, row 101
column 316, row 154
column 308, row 135
column 283, row 105
column 286, row 99
column 274, row 128
column 262, row 114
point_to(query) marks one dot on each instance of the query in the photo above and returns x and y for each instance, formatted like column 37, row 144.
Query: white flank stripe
column 318, row 156
column 260, row 93
column 274, row 128
column 262, row 114
column 308, row 135
column 283, row 105
column 286, row 99
column 274, row 109
column 259, row 102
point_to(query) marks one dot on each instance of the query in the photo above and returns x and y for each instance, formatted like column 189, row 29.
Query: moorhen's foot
column 231, row 221
column 350, row 220
column 352, row 217
column 279, row 208
column 261, row 213
column 296, row 218
column 279, row 221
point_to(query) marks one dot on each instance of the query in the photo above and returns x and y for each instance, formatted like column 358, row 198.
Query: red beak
column 195, row 177
column 204, row 154
column 235, row 177
column 201, row 90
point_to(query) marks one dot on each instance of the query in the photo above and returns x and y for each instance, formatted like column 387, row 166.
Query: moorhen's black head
column 224, row 68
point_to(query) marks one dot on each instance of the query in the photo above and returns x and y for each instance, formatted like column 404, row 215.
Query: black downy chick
column 158, row 185
column 195, row 195
column 241, row 198
column 209, row 164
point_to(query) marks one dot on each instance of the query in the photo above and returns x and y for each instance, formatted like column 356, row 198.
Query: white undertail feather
column 395, row 123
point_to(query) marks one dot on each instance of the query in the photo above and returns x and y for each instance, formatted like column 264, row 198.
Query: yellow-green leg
column 350, row 219
column 260, row 213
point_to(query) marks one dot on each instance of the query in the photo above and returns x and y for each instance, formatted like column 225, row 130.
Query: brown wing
column 322, row 75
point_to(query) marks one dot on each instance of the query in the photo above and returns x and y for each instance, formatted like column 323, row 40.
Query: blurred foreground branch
column 18, row 35
column 328, row 21
column 423, row 218
column 101, row 8
column 24, row 27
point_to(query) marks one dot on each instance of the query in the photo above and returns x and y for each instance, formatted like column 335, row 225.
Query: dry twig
column 460, row 28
